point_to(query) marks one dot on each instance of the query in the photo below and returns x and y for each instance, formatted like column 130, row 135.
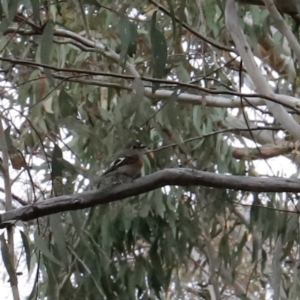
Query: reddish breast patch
column 141, row 161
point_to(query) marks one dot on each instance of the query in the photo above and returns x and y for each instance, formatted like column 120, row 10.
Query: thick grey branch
column 283, row 27
column 178, row 177
column 260, row 82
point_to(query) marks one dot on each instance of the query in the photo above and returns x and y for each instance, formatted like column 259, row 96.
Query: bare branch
column 15, row 197
column 287, row 101
column 172, row 177
column 283, row 27
column 264, row 152
column 260, row 82
column 193, row 31
column 214, row 101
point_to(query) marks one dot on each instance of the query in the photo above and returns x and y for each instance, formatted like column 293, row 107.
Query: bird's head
column 135, row 145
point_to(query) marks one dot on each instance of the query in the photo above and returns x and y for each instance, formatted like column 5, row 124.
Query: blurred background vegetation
column 79, row 78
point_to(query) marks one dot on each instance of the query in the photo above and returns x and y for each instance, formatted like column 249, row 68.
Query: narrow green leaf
column 128, row 36
column 172, row 13
column 263, row 259
column 47, row 104
column 132, row 39
column 10, row 9
column 32, row 295
column 138, row 87
column 242, row 243
column 144, row 211
column 168, row 279
column 56, row 165
column 67, row 103
column 35, row 9
column 4, row 4
column 170, row 103
column 59, row 237
column 46, row 49
column 156, row 273
column 130, row 286
column 77, row 221
column 6, row 258
column 47, row 43
column 287, row 250
column 255, row 250
column 8, row 138
column 224, row 249
column 159, row 52
column 67, row 166
column 197, row 118
column 111, row 92
column 182, row 16
column 254, row 211
column 43, row 247
column 27, row 249
column 106, row 230
column 182, row 73
column 139, row 272
column 158, row 205
column 277, row 269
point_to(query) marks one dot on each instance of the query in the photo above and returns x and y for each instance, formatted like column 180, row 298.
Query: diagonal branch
column 193, row 31
column 172, row 177
column 259, row 80
column 283, row 27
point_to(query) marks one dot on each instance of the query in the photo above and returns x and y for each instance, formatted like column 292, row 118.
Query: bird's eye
column 134, row 146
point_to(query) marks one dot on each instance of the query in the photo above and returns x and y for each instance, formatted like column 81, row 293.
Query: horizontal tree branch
column 219, row 101
column 264, row 152
column 287, row 101
column 186, row 98
column 172, row 177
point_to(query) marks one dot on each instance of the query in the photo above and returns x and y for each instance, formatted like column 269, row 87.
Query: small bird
column 126, row 167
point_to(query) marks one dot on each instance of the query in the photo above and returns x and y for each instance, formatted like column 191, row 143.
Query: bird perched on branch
column 126, row 167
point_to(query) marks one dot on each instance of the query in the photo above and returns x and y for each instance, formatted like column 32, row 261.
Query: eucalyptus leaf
column 56, row 170
column 44, row 248
column 26, row 248
column 67, row 104
column 128, row 35
column 59, row 237
column 159, row 52
column 36, row 9
column 7, row 259
column 46, row 49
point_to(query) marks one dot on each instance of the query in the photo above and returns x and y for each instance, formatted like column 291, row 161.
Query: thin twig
column 15, row 197
column 131, row 77
column 193, row 31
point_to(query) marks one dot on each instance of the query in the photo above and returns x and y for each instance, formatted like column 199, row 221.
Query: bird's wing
column 121, row 161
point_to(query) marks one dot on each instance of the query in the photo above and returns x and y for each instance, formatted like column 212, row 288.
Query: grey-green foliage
column 167, row 244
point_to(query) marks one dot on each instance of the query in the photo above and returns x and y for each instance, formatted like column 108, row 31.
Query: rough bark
column 171, row 177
